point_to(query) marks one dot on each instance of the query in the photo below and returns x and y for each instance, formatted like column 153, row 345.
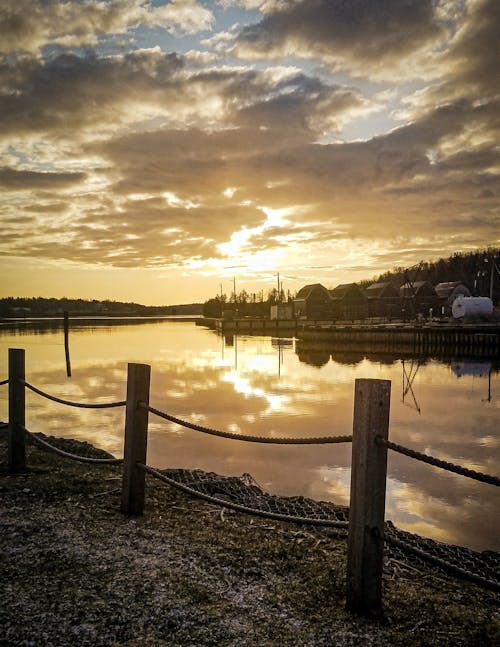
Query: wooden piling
column 66, row 343
column 17, row 408
column 136, row 439
column 367, row 505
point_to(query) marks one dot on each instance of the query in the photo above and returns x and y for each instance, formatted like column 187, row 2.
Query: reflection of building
column 347, row 357
column 312, row 302
column 418, row 297
column 313, row 354
column 348, row 302
column 447, row 293
column 383, row 300
column 314, row 357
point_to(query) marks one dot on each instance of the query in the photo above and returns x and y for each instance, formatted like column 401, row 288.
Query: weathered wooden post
column 367, row 506
column 17, row 448
column 66, row 343
column 136, row 439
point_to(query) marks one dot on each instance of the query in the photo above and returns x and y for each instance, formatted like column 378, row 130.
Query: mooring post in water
column 17, row 448
column 136, row 438
column 66, row 343
column 367, row 505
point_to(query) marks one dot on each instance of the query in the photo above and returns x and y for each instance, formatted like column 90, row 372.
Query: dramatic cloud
column 29, row 25
column 162, row 152
column 360, row 36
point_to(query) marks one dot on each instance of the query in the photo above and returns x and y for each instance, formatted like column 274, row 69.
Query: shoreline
column 190, row 573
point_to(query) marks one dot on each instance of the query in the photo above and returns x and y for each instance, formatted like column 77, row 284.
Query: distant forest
column 42, row 307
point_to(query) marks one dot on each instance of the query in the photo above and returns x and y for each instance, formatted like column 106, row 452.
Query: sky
column 159, row 152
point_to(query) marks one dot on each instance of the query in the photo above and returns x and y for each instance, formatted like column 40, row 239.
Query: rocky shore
column 74, row 571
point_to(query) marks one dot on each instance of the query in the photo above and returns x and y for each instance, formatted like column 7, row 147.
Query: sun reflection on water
column 258, row 385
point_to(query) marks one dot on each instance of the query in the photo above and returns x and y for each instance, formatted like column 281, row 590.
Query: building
column 349, row 302
column 447, row 293
column 312, row 302
column 419, row 299
column 383, row 300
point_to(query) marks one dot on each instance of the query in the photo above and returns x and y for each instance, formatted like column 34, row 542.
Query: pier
column 432, row 338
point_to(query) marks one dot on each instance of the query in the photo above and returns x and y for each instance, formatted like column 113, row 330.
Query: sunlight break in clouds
column 165, row 147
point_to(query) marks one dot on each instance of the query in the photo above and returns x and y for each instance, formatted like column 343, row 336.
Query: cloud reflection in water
column 258, row 386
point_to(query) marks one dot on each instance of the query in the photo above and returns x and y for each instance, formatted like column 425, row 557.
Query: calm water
column 261, row 385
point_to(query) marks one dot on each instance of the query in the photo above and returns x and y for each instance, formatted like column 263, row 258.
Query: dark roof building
column 348, row 302
column 451, row 290
column 383, row 300
column 312, row 302
column 419, row 298
column 417, row 289
column 448, row 292
column 381, row 291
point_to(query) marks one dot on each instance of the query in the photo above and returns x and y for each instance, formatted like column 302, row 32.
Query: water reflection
column 282, row 387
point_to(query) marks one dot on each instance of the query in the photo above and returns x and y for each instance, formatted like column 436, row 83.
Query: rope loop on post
column 246, row 437
column 437, row 462
column 81, row 405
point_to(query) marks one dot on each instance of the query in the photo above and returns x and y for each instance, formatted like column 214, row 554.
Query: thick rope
column 74, row 457
column 241, row 508
column 82, row 405
column 3, row 382
column 248, row 438
column 430, row 460
column 452, row 568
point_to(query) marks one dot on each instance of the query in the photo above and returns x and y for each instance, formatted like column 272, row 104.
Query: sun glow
column 239, row 245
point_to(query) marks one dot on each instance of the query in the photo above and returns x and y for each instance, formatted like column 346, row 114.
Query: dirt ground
column 75, row 571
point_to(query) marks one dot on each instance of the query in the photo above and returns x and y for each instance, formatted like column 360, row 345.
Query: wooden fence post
column 136, row 439
column 367, row 506
column 17, row 448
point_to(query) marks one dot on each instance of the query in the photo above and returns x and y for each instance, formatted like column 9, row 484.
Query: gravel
column 75, row 571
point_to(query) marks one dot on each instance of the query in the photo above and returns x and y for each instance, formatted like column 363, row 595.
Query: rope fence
column 367, row 529
column 448, row 567
column 437, row 462
column 332, row 523
column 247, row 438
column 81, row 405
column 75, row 457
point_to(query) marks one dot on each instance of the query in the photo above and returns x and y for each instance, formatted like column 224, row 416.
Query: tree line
column 473, row 269
column 51, row 307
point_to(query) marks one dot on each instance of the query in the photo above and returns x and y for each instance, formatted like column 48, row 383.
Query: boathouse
column 447, row 293
column 349, row 302
column 312, row 302
column 418, row 299
column 383, row 300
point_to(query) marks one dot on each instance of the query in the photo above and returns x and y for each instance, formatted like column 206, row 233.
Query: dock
column 430, row 338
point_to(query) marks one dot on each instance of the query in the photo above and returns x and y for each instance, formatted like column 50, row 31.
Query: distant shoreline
column 77, row 318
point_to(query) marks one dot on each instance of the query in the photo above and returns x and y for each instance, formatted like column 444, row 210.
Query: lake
column 269, row 386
